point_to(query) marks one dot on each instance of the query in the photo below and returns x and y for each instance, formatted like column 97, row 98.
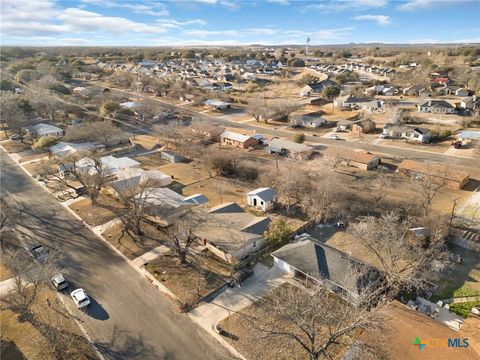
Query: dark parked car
column 39, row 253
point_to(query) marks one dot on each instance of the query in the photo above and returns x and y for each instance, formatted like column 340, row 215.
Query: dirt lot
column 13, row 146
column 184, row 173
column 32, row 340
column 98, row 214
column 250, row 343
column 188, row 283
column 151, row 162
column 133, row 246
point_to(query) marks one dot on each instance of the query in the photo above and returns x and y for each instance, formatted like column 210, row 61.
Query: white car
column 59, row 282
column 80, row 298
column 333, row 137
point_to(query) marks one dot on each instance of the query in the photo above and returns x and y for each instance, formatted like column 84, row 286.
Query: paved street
column 129, row 318
column 321, row 142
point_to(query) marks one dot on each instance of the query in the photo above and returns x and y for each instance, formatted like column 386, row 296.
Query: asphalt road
column 129, row 318
column 321, row 143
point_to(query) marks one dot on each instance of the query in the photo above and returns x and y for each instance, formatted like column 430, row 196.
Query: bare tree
column 85, row 167
column 429, row 183
column 182, row 237
column 293, row 185
column 28, row 279
column 406, row 264
column 101, row 131
column 325, row 201
column 136, row 205
column 315, row 322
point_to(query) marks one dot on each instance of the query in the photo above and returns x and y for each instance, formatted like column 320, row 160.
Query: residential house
column 229, row 232
column 63, row 149
column 462, row 92
column 130, row 105
column 312, row 121
column 436, row 107
column 312, row 261
column 132, row 180
column 453, row 177
column 233, row 139
column 395, row 131
column 262, row 198
column 416, row 90
column 217, row 104
column 306, row 91
column 110, row 165
column 344, row 125
column 40, row 130
column 359, row 159
column 289, row 148
column 196, row 199
column 468, row 136
column 363, row 126
column 351, row 102
column 163, row 205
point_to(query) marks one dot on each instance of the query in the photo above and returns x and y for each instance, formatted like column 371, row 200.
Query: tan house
column 229, row 232
column 453, row 177
column 233, row 139
column 363, row 126
column 359, row 159
column 289, row 148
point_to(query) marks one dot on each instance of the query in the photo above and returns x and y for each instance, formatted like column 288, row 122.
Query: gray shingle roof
column 266, row 194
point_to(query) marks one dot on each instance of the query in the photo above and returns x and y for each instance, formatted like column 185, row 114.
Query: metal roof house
column 262, row 198
column 291, row 149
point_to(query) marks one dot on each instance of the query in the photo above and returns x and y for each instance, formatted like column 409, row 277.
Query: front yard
column 188, row 282
column 99, row 214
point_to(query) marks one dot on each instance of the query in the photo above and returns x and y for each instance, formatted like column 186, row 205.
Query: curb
column 142, row 271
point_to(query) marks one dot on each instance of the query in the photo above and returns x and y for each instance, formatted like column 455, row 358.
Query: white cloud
column 260, row 31
column 344, row 5
column 379, row 19
column 280, row 2
column 175, row 24
column 152, row 8
column 205, row 33
column 413, row 5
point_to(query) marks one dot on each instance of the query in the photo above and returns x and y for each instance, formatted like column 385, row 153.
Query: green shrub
column 45, row 142
column 299, row 138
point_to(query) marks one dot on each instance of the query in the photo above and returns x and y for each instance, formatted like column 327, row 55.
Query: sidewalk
column 150, row 255
column 235, row 299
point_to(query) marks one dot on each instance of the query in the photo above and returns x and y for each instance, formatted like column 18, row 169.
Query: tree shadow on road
column 122, row 345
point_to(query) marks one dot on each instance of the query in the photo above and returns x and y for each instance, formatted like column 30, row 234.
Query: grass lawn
column 463, row 309
column 98, row 214
column 31, row 339
column 462, row 279
column 133, row 246
column 186, row 282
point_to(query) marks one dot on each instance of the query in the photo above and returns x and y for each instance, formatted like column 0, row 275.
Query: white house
column 436, row 106
column 39, row 130
column 262, row 198
column 217, row 104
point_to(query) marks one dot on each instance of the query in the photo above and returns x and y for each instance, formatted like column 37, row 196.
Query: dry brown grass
column 12, row 146
column 133, row 246
column 152, row 161
column 95, row 215
column 184, row 173
column 30, row 341
column 188, row 283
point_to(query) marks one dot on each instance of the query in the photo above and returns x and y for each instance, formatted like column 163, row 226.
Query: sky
column 231, row 22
